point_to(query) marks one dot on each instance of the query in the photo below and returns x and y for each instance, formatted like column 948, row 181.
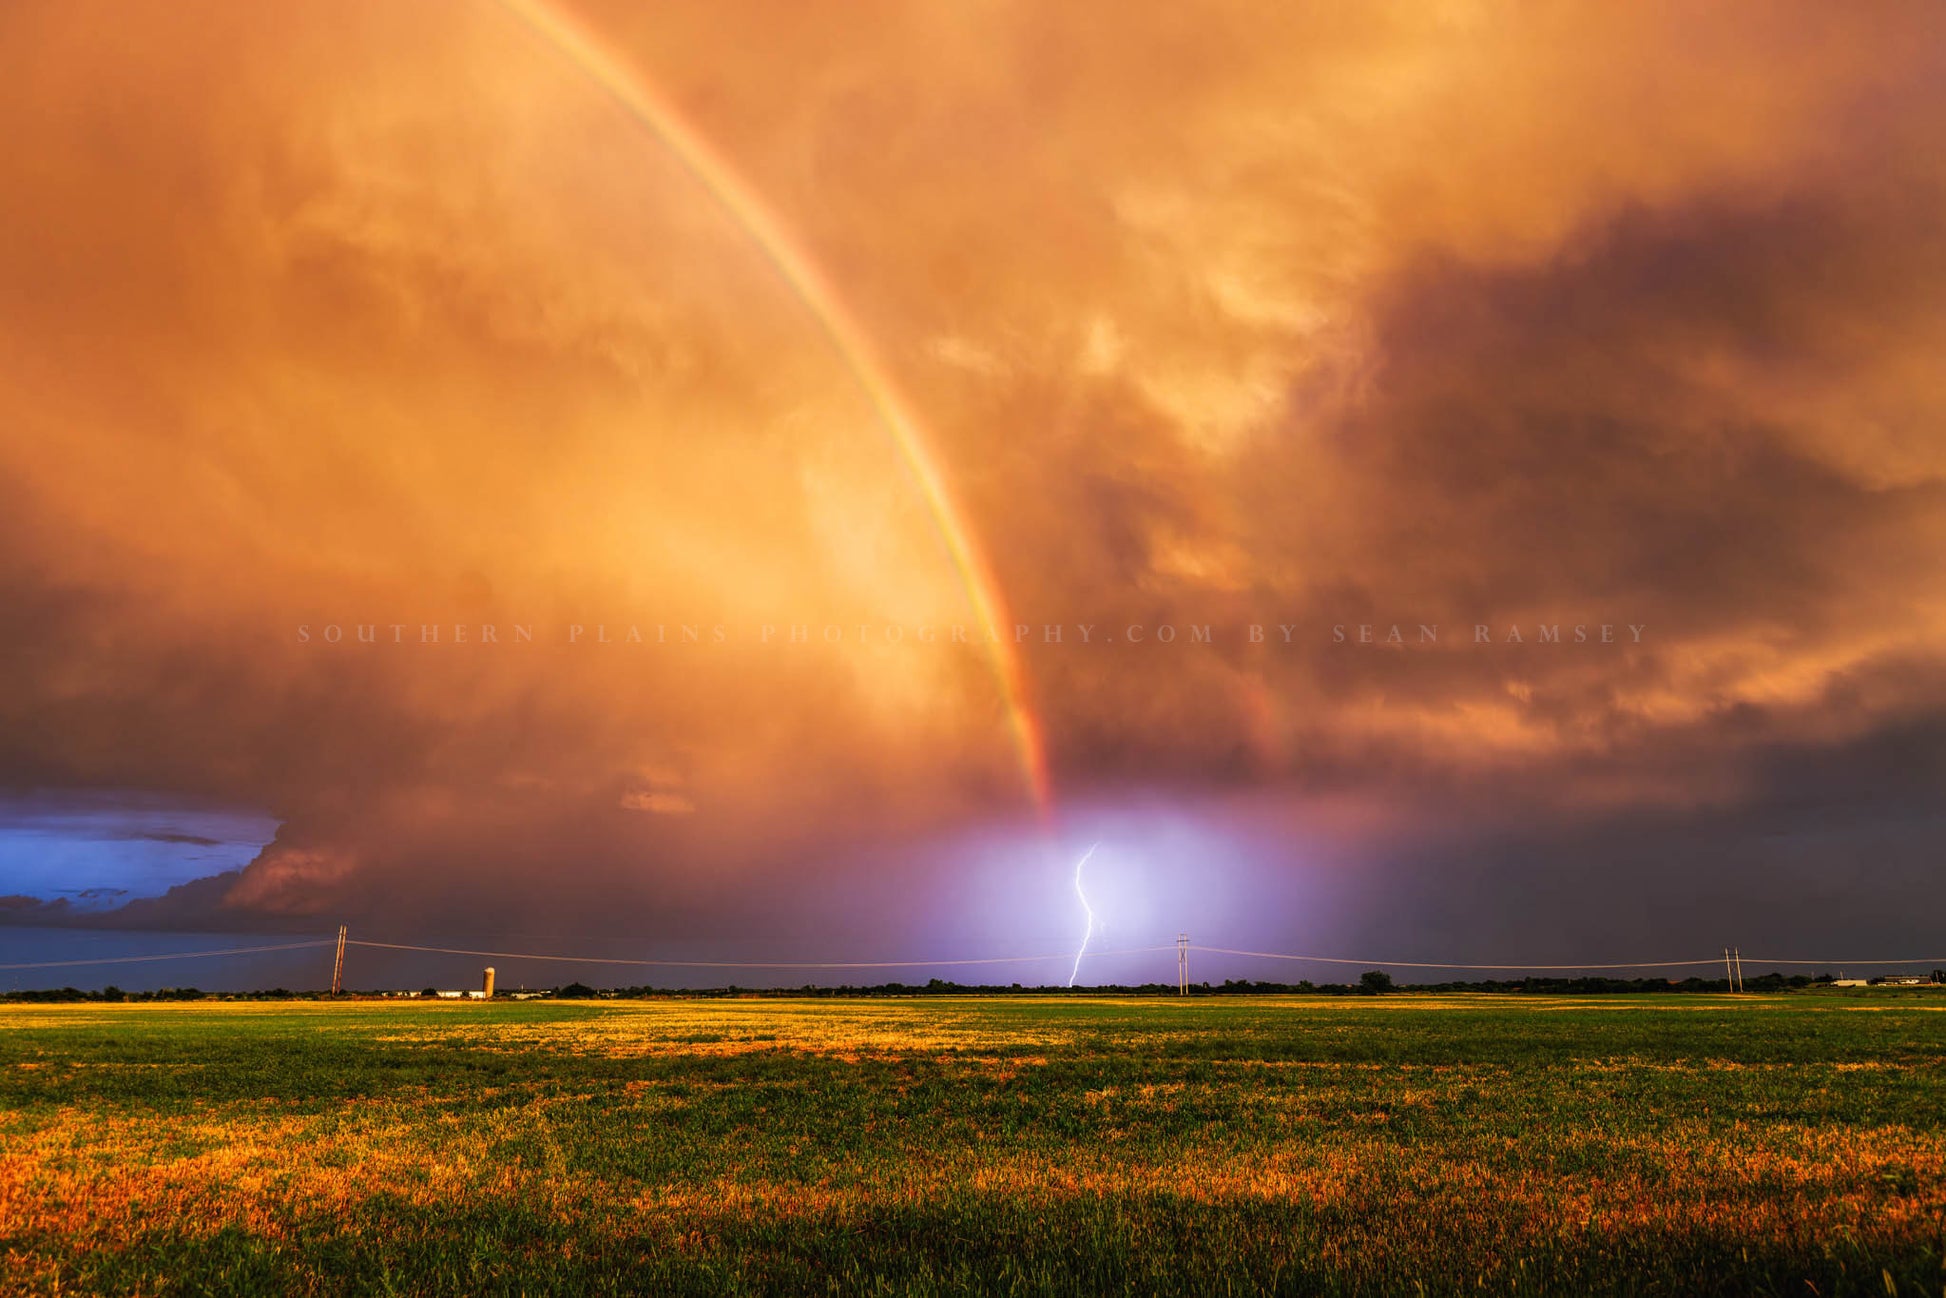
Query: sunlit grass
column 1456, row 1143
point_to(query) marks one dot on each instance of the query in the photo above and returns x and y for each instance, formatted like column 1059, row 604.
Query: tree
column 1374, row 981
column 575, row 991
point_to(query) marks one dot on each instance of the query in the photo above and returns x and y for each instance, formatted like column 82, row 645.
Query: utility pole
column 1737, row 954
column 1729, row 978
column 1182, row 964
column 338, row 965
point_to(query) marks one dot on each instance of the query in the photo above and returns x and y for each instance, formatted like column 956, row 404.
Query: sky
column 719, row 480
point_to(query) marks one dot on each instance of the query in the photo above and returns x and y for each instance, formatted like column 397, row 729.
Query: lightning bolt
column 1090, row 930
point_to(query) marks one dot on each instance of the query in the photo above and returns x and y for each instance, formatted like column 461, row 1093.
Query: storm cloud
column 322, row 318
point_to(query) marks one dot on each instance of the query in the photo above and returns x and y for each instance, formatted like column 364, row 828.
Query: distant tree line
column 114, row 993
column 1373, row 982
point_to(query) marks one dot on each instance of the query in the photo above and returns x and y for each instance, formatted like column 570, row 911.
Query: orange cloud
column 382, row 316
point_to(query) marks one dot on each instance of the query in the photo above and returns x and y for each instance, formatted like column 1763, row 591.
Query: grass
column 1663, row 1145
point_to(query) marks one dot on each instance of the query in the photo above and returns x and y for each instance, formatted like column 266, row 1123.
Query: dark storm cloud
column 1585, row 440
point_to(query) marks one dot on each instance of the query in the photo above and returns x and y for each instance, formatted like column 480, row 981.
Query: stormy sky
column 1493, row 320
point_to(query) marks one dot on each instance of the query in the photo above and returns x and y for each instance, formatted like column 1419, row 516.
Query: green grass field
column 1675, row 1144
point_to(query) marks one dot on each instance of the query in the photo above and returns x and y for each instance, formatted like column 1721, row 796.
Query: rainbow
column 639, row 99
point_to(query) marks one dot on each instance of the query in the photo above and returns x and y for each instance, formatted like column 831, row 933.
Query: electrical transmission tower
column 1182, row 964
column 338, row 965
column 1733, row 967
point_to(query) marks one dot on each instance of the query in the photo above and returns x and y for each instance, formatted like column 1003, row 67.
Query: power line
column 171, row 955
column 1917, row 959
column 746, row 964
column 1182, row 947
column 1448, row 964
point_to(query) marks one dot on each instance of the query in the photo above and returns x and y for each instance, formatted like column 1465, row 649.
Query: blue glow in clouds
column 98, row 849
column 1090, row 930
